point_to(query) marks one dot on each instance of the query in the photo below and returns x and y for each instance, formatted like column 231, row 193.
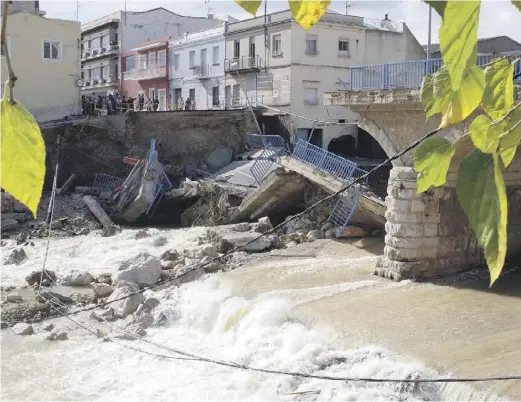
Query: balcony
column 95, row 53
column 100, row 82
column 203, row 71
column 149, row 73
column 406, row 74
column 243, row 64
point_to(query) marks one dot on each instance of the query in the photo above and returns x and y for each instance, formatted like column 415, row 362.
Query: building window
column 277, row 45
column 161, row 58
column 142, row 61
column 130, row 63
column 311, row 44
column 89, row 44
column 236, row 94
column 51, row 50
column 115, row 38
column 116, row 72
column 236, row 49
column 102, row 72
column 192, row 58
column 215, row 96
column 215, row 55
column 343, row 47
column 191, row 94
column 176, row 61
column 310, row 96
column 252, row 45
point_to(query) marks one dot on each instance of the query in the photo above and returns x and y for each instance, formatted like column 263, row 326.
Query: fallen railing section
column 273, row 147
column 339, row 167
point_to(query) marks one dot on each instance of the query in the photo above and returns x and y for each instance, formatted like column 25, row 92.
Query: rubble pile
column 71, row 218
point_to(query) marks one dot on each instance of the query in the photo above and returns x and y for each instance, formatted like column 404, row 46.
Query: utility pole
column 77, row 10
column 429, row 38
column 347, row 7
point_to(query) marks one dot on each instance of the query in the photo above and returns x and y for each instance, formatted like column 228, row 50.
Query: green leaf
column 499, row 89
column 250, row 6
column 511, row 138
column 482, row 194
column 485, row 136
column 23, row 154
column 427, row 96
column 308, row 13
column 517, row 4
column 456, row 106
column 459, row 37
column 438, row 5
column 431, row 161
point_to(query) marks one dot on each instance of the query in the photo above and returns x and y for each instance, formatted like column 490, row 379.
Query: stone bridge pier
column 427, row 234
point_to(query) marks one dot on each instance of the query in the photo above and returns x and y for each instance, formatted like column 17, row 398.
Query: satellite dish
column 79, row 82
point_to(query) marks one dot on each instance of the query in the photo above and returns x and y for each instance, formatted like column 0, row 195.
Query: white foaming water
column 205, row 319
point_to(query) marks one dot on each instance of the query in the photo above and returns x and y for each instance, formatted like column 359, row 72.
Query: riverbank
column 315, row 308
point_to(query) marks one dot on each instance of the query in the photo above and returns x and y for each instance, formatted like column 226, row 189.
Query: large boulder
column 243, row 239
column 23, row 329
column 77, row 278
column 351, row 231
column 143, row 270
column 127, row 291
column 241, row 227
column 35, row 276
column 170, row 255
column 209, row 250
column 9, row 224
column 17, row 256
column 102, row 289
column 264, row 224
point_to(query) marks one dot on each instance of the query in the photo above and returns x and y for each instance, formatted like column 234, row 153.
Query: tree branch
column 3, row 38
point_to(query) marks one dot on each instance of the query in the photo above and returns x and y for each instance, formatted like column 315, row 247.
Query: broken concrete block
column 241, row 227
column 264, row 224
column 351, row 231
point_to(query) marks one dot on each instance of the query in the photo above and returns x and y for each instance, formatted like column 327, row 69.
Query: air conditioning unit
column 103, row 50
column 87, row 54
column 103, row 81
column 86, row 84
column 94, row 52
column 94, row 82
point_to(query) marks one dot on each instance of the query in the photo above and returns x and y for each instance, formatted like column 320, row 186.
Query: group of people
column 188, row 105
column 151, row 105
column 93, row 105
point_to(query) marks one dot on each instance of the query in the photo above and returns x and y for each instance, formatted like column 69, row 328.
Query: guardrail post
column 385, row 77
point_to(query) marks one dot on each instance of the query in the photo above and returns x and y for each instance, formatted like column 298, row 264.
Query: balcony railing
column 407, row 74
column 242, row 63
column 148, row 73
column 106, row 80
column 105, row 50
column 203, row 71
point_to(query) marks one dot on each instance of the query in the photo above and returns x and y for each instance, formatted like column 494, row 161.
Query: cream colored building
column 281, row 65
column 45, row 55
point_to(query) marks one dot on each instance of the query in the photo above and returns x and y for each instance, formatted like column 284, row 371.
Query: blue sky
column 498, row 17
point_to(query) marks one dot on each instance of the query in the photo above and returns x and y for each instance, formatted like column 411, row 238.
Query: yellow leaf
column 484, row 135
column 511, row 138
column 308, row 13
column 456, row 106
column 23, row 154
column 250, row 5
column 499, row 89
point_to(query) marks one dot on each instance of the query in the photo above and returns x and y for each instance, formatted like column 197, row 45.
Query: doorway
column 178, row 93
column 161, row 94
column 316, row 138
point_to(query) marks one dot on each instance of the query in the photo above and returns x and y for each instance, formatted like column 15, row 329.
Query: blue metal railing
column 326, row 161
column 273, row 146
column 339, row 167
column 406, row 74
column 259, row 141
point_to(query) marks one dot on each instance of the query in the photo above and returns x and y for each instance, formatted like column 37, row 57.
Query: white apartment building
column 279, row 64
column 45, row 56
column 106, row 38
column 197, row 68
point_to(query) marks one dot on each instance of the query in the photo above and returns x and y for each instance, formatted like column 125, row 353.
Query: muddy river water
column 315, row 308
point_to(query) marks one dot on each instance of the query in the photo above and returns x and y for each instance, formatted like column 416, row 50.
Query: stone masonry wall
column 428, row 233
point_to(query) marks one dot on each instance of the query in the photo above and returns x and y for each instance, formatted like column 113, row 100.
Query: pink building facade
column 145, row 71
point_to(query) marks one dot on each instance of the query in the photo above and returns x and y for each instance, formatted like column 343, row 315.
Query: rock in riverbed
column 77, row 278
column 143, row 270
column 23, row 329
column 131, row 301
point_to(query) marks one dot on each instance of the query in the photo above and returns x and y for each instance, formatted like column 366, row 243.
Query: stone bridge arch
column 381, row 136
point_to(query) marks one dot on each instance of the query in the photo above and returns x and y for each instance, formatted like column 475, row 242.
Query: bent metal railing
column 339, row 167
column 273, row 147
